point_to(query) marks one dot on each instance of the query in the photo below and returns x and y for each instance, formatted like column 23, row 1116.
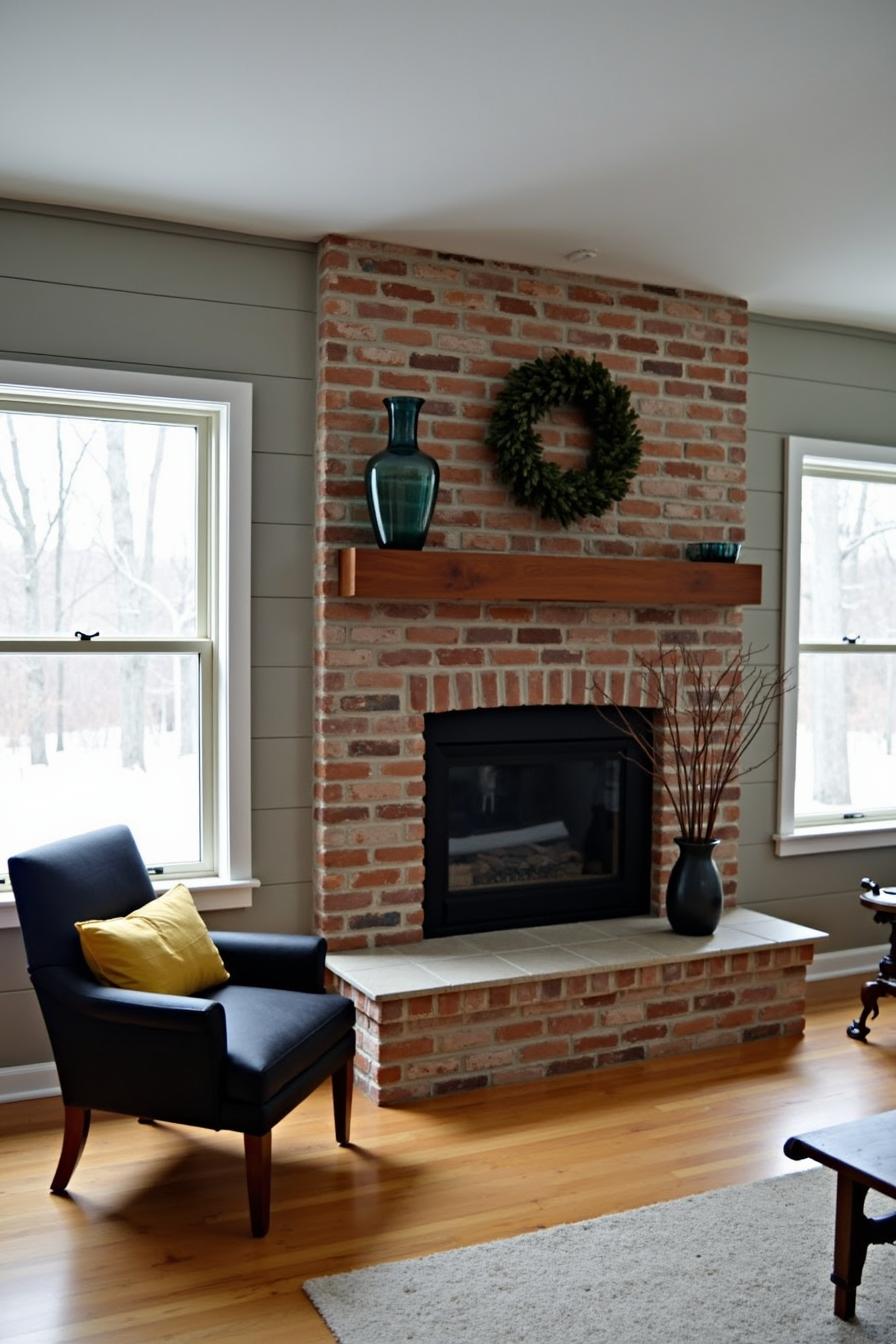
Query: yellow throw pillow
column 164, row 947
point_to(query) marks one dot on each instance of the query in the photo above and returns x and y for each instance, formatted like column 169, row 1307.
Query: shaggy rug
column 745, row 1265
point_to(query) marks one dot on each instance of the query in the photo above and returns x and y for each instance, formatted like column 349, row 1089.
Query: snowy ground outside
column 85, row 786
column 872, row 777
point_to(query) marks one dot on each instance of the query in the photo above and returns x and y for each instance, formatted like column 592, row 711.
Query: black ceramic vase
column 694, row 893
column 401, row 482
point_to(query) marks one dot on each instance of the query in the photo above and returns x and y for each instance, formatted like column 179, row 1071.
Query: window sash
column 860, row 813
column 841, row 461
column 845, row 648
column 86, row 647
column 207, row 864
column 206, row 423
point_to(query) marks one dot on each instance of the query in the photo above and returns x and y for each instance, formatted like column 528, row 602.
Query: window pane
column 848, row 564
column 97, row 526
column 93, row 739
column 846, row 734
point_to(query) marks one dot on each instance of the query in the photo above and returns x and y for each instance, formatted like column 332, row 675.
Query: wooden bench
column 863, row 1154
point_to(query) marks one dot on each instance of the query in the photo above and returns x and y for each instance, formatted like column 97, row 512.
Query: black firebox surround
column 517, row 734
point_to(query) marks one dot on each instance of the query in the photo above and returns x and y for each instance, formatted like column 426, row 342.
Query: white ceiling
column 741, row 146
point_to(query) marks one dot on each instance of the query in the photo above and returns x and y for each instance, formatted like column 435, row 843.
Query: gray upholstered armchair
column 236, row 1057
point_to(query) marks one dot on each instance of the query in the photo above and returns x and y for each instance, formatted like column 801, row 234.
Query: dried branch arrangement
column 712, row 715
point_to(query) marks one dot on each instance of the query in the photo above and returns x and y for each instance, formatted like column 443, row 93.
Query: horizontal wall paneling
column 105, row 291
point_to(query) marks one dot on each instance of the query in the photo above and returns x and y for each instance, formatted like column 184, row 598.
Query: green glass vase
column 401, row 482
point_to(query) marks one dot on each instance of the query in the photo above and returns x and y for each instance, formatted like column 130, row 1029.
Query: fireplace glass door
column 533, row 816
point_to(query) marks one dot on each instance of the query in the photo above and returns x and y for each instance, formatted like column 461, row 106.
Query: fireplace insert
column 534, row 816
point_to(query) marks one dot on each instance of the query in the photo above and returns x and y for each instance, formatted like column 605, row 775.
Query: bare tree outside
column 57, row 586
column 21, row 515
column 17, row 498
column 64, row 484
column 134, row 573
column 830, row 757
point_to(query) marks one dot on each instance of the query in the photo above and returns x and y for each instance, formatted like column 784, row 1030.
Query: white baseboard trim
column 28, row 1081
column 851, row 961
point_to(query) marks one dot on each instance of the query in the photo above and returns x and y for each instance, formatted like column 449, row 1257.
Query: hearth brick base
column 430, row 1044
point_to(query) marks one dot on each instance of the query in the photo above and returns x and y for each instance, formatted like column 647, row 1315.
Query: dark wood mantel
column 365, row 572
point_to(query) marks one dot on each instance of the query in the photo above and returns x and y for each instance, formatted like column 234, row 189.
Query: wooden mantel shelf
column 478, row 577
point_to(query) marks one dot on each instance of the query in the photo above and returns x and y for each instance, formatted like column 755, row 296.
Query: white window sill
column 209, row 893
column 828, row 839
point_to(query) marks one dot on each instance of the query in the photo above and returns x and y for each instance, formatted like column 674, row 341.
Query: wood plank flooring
column 152, row 1244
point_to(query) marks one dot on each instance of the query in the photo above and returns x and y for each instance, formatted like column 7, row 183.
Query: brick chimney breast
column 397, row 320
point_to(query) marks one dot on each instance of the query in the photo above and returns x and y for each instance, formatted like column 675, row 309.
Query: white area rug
column 745, row 1265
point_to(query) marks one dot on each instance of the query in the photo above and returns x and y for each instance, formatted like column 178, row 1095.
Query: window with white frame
column 838, row 742
column 124, row 536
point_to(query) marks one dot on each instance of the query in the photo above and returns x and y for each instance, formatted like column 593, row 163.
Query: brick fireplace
column 449, row 328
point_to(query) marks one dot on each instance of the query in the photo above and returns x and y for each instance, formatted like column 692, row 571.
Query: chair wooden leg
column 258, row 1181
column 77, row 1127
column 343, row 1082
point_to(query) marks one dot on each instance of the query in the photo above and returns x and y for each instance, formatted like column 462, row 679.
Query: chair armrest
column 162, row 1055
column 274, row 960
column 132, row 1007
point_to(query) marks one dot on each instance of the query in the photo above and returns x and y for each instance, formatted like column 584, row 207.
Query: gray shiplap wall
column 827, row 383
column 115, row 292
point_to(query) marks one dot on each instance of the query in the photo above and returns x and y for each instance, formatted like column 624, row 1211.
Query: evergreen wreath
column 529, row 392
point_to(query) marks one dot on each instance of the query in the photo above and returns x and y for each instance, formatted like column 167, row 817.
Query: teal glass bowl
column 725, row 551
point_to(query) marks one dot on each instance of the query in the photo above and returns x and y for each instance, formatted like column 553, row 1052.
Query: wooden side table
column 863, row 1154
column 882, row 900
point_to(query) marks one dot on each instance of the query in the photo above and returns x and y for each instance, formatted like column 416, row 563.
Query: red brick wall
column 403, row 321
column 429, row 1044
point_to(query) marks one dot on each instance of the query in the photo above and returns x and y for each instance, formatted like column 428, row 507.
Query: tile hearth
column 450, row 1014
column 503, row 958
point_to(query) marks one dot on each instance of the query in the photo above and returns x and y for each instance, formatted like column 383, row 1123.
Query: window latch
column 79, row 634
column 155, row 872
column 850, row 639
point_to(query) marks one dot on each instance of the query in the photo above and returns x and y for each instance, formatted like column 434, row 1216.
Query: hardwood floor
column 152, row 1243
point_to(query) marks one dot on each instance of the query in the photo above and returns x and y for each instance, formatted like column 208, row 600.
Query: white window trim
column 791, row 839
column 231, row 886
